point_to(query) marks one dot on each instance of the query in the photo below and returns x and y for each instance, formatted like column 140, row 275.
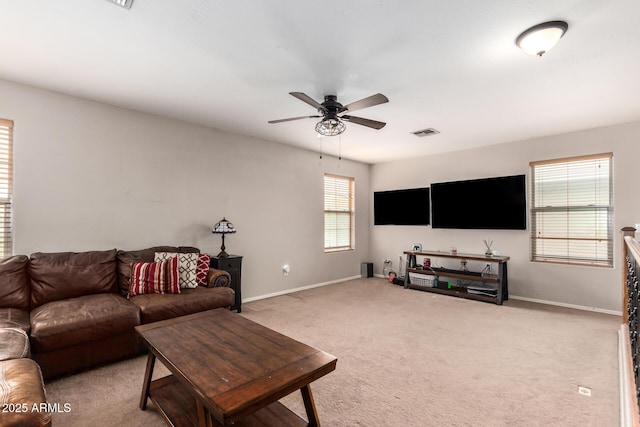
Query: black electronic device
column 490, row 203
column 401, row 207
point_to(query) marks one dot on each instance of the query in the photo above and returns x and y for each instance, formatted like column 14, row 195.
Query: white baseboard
column 302, row 288
column 561, row 304
column 535, row 300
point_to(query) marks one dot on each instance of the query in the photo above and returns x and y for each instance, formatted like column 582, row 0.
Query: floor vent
column 425, row 132
column 124, row 3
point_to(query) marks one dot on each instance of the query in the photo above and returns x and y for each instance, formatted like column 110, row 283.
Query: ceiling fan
column 333, row 113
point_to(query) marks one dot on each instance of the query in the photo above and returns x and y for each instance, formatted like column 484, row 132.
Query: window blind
column 6, row 187
column 338, row 213
column 572, row 210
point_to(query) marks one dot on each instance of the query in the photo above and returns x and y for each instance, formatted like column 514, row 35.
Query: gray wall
column 590, row 287
column 90, row 176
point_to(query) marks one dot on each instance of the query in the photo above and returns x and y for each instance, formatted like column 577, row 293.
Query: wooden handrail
column 629, row 347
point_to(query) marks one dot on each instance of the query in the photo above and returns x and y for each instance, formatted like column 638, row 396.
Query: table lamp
column 223, row 227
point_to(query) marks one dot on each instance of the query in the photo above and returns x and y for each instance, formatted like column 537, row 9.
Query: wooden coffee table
column 226, row 369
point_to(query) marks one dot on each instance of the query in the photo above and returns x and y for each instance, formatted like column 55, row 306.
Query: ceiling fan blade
column 292, row 118
column 370, row 101
column 364, row 122
column 306, row 98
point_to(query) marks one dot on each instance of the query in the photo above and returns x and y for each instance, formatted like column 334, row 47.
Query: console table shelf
column 499, row 280
column 460, row 274
column 456, row 292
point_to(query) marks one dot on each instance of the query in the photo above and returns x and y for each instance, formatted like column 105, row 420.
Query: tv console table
column 428, row 278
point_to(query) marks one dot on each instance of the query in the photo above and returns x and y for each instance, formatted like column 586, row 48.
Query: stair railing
column 629, row 340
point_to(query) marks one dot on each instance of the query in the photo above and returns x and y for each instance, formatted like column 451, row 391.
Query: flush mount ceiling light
column 541, row 38
column 124, row 3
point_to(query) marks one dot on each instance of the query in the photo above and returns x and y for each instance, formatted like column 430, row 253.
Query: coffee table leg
column 310, row 406
column 148, row 373
column 204, row 419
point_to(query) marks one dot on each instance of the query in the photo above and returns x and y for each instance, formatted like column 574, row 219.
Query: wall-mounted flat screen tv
column 491, row 203
column 401, row 207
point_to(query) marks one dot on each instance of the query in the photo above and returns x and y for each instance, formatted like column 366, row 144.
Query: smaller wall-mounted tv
column 401, row 207
column 491, row 203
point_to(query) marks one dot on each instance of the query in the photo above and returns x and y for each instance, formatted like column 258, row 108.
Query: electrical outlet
column 286, row 269
column 487, row 267
column 585, row 391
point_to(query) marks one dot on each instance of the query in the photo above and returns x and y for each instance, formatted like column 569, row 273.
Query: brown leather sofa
column 22, row 391
column 74, row 307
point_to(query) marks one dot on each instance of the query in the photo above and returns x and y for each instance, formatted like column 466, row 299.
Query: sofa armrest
column 218, row 278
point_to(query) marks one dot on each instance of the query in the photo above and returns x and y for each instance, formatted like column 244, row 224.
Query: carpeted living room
column 414, row 211
column 415, row 360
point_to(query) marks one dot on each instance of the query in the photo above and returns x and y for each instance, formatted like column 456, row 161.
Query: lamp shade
column 223, row 227
column 541, row 38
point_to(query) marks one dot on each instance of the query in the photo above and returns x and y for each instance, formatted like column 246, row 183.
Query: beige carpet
column 410, row 358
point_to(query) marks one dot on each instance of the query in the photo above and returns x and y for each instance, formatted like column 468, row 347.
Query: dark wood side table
column 233, row 265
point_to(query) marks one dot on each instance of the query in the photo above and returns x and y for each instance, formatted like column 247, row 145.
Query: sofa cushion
column 160, row 277
column 202, row 270
column 154, row 307
column 21, row 385
column 187, row 265
column 126, row 258
column 15, row 318
column 64, row 323
column 15, row 291
column 14, row 344
column 58, row 276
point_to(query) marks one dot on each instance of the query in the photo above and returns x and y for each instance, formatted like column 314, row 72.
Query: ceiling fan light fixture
column 541, row 38
column 330, row 127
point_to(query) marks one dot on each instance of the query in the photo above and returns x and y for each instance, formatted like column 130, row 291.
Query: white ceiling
column 452, row 65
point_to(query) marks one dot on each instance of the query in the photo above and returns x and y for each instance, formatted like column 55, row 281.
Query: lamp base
column 223, row 253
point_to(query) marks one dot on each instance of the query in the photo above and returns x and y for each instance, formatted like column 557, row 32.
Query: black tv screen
column 401, row 207
column 491, row 203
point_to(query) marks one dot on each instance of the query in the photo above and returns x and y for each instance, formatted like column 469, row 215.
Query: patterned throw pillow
column 154, row 277
column 203, row 269
column 187, row 264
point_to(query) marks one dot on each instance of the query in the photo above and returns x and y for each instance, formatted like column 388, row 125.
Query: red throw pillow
column 202, row 269
column 154, row 277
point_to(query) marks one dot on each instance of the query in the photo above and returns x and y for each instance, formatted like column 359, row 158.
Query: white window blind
column 572, row 209
column 338, row 213
column 6, row 187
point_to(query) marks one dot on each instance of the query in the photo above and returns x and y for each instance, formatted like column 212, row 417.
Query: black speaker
column 366, row 270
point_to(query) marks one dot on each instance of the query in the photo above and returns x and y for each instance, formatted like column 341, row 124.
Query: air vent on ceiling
column 425, row 132
column 124, row 3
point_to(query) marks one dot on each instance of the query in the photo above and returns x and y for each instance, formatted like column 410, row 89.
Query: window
column 6, row 187
column 571, row 210
column 338, row 213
